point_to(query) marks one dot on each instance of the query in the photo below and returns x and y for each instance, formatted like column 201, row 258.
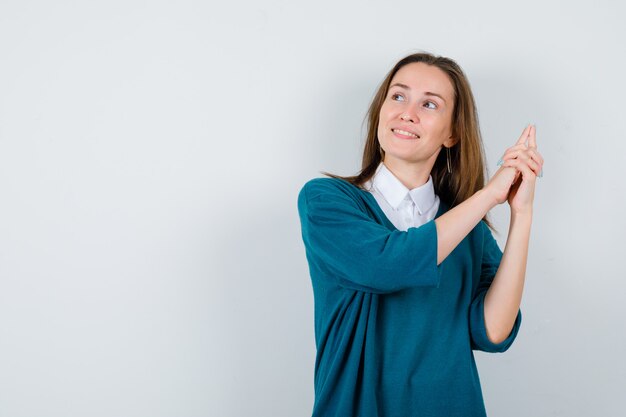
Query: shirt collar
column 393, row 191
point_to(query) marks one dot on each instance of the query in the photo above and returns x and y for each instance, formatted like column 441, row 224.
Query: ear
column 450, row 142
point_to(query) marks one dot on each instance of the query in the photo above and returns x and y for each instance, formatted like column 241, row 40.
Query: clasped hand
column 515, row 180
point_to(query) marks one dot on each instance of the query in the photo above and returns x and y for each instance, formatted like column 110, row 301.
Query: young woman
column 407, row 276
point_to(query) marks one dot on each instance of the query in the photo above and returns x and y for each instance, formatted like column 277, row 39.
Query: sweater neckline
column 374, row 204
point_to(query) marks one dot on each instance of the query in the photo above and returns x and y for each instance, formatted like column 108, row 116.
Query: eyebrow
column 428, row 93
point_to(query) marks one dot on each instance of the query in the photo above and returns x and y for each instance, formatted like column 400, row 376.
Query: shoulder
column 328, row 194
column 328, row 186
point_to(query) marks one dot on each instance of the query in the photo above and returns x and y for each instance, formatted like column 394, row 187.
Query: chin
column 402, row 158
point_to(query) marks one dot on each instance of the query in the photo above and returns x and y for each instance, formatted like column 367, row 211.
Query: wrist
column 522, row 216
column 487, row 197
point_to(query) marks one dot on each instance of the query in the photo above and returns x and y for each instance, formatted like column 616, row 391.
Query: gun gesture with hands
column 521, row 164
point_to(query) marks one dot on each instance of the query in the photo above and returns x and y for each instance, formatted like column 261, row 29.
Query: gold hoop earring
column 448, row 161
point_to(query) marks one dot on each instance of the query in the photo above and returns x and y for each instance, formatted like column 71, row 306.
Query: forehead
column 423, row 77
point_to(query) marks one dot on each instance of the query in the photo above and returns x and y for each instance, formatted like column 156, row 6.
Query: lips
column 405, row 133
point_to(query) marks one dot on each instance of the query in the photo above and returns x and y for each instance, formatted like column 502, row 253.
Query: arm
column 454, row 225
column 504, row 296
column 490, row 262
column 345, row 246
column 344, row 243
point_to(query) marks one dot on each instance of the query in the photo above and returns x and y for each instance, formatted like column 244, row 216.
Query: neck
column 411, row 175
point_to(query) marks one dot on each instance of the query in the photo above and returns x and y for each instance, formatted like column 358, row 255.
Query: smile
column 404, row 134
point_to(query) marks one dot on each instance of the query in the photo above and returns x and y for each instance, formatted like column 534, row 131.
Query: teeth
column 404, row 132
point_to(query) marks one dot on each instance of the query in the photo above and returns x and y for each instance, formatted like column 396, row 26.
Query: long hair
column 466, row 155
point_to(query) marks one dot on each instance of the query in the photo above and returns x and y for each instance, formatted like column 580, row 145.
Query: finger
column 522, row 139
column 509, row 165
column 537, row 159
column 512, row 152
column 517, row 153
column 532, row 138
column 516, row 148
column 508, row 172
column 536, row 167
column 527, row 173
column 536, row 156
column 529, row 158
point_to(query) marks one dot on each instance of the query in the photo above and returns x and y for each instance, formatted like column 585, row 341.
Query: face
column 415, row 119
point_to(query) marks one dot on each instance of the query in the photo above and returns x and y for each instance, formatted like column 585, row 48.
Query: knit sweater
column 394, row 331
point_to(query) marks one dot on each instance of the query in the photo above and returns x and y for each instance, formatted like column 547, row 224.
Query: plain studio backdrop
column 151, row 261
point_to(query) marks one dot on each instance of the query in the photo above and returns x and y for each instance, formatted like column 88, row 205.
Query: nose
column 409, row 117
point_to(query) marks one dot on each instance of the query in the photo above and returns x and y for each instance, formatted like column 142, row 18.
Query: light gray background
column 151, row 153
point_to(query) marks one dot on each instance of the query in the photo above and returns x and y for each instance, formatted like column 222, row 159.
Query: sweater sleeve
column 350, row 247
column 492, row 255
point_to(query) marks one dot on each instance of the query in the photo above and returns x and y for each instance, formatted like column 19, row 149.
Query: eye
column 397, row 97
column 433, row 103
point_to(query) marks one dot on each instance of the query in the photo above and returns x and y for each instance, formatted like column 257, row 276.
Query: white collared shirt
column 403, row 207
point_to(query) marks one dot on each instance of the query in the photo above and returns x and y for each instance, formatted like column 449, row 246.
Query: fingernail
column 540, row 173
column 500, row 162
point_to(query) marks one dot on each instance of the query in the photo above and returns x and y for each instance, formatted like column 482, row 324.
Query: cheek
column 438, row 123
column 384, row 117
column 381, row 125
column 385, row 112
column 380, row 137
column 381, row 131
